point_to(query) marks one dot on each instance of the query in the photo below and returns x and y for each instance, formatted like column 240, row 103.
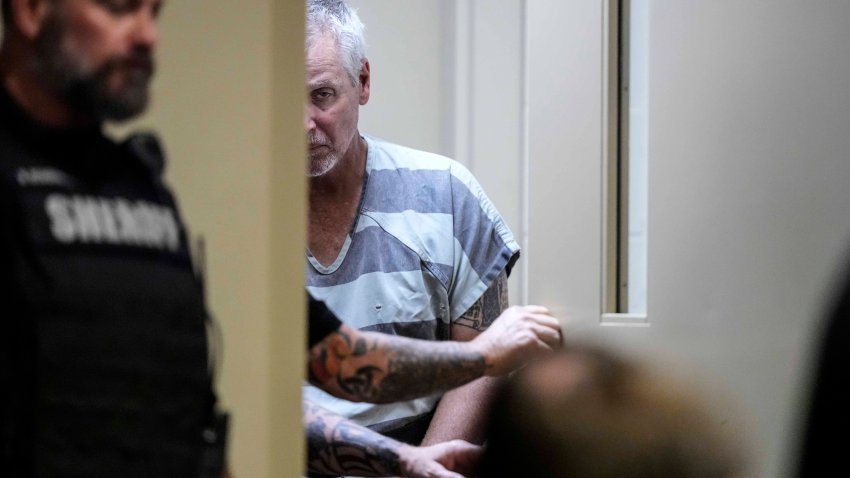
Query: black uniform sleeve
column 321, row 322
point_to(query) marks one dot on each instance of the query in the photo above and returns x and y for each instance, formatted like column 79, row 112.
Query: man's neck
column 334, row 200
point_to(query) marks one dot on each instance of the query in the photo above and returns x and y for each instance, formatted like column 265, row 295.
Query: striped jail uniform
column 426, row 244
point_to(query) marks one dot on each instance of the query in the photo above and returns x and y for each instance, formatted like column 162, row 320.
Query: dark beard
column 85, row 90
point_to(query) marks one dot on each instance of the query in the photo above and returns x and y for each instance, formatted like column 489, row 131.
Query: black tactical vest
column 104, row 348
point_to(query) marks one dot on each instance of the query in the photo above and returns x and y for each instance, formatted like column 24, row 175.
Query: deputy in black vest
column 104, row 351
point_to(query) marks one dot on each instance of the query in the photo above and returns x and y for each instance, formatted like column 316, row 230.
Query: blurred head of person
column 588, row 413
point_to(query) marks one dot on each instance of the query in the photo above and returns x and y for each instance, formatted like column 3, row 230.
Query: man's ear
column 29, row 15
column 364, row 82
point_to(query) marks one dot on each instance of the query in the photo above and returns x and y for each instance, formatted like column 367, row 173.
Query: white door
column 749, row 168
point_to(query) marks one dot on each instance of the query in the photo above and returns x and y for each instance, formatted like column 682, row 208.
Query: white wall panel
column 405, row 51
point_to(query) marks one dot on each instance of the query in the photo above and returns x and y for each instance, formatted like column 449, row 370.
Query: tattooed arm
column 338, row 446
column 380, row 368
column 462, row 413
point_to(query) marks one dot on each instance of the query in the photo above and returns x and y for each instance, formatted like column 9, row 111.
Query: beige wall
column 228, row 103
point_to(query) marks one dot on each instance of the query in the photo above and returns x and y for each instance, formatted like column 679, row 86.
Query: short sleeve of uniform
column 484, row 245
column 322, row 322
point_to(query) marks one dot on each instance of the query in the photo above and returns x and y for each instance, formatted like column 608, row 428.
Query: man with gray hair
column 400, row 241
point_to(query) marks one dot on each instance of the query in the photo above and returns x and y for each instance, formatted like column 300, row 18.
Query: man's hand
column 451, row 459
column 520, row 334
column 338, row 446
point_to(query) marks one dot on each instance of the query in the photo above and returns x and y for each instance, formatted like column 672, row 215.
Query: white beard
column 320, row 166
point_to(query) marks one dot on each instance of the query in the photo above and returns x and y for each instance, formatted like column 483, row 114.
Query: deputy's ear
column 29, row 15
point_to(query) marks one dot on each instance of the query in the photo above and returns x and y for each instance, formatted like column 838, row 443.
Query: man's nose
column 146, row 29
column 309, row 120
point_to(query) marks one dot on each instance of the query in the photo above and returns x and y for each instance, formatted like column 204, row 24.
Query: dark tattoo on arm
column 420, row 370
column 336, row 445
column 488, row 307
column 361, row 383
column 379, row 368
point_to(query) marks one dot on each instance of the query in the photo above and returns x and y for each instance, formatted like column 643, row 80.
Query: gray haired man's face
column 332, row 109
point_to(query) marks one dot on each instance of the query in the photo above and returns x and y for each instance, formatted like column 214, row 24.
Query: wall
column 406, row 63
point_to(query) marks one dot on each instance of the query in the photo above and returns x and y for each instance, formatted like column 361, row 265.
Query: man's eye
column 119, row 6
column 322, row 95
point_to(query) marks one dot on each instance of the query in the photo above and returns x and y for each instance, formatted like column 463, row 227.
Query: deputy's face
column 99, row 54
column 332, row 106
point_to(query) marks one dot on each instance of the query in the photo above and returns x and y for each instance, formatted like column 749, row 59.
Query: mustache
column 141, row 61
column 314, row 139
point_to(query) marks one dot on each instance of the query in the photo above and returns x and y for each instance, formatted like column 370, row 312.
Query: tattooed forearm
column 417, row 371
column 336, row 445
column 379, row 368
column 488, row 307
